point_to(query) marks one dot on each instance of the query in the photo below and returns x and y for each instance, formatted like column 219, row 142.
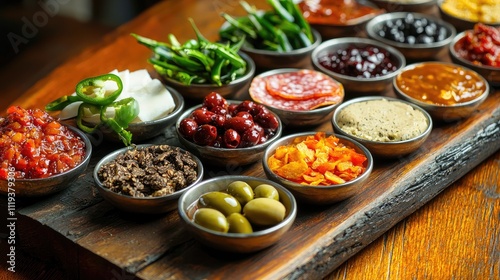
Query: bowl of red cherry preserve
column 227, row 132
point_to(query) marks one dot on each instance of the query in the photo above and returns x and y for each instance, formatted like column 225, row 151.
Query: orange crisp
column 317, row 160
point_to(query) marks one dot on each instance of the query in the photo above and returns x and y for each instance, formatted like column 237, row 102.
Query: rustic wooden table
column 454, row 236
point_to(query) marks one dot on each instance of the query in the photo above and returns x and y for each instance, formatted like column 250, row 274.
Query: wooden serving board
column 91, row 239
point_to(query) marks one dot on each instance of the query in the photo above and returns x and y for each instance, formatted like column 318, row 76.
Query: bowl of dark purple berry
column 417, row 36
column 363, row 66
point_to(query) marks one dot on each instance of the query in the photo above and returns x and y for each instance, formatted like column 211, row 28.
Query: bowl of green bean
column 232, row 90
column 276, row 38
column 198, row 66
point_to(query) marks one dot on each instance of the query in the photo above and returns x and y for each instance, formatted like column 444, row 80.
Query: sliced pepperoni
column 301, row 85
column 260, row 94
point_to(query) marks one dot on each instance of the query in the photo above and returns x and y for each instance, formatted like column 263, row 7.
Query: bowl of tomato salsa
column 479, row 50
column 38, row 154
column 338, row 18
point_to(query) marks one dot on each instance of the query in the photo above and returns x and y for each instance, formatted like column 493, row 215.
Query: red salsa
column 480, row 46
column 36, row 145
column 335, row 12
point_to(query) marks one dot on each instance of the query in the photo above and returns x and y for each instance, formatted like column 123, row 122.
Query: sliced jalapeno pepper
column 126, row 110
column 93, row 109
column 93, row 91
column 61, row 102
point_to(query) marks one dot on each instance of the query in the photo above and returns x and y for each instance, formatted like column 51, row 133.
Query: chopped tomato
column 36, row 145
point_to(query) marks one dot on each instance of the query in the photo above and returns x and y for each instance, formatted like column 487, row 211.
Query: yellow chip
column 293, row 170
column 333, row 178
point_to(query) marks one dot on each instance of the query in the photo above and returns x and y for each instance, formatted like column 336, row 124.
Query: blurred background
column 38, row 35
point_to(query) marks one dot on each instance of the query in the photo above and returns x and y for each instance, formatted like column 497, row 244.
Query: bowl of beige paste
column 388, row 127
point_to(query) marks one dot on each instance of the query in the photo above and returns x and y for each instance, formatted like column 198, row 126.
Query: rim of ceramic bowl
column 421, row 104
column 322, row 109
column 179, row 106
column 186, row 113
column 85, row 161
column 469, row 64
column 111, row 156
column 248, row 75
column 343, row 139
column 291, row 213
column 390, row 99
column 300, row 51
column 327, row 45
column 372, row 24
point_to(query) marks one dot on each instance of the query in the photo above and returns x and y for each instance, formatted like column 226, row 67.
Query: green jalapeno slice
column 93, row 91
column 126, row 110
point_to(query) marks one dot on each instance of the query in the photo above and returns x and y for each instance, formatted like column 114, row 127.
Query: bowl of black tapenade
column 147, row 178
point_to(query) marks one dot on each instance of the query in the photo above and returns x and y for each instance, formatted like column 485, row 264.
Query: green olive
column 239, row 224
column 223, row 202
column 266, row 190
column 211, row 219
column 264, row 211
column 241, row 191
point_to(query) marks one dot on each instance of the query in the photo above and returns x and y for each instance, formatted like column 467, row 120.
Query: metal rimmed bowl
column 52, row 184
column 236, row 88
column 354, row 84
column 226, row 156
column 142, row 131
column 460, row 23
column 490, row 73
column 352, row 27
column 420, row 6
column 319, row 195
column 443, row 112
column 422, row 51
column 379, row 148
column 236, row 242
column 295, row 118
column 142, row 205
column 299, row 58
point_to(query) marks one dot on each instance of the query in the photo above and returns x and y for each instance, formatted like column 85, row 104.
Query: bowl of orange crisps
column 318, row 167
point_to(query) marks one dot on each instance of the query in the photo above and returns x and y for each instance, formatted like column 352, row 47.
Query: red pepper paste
column 335, row 12
column 36, row 145
column 480, row 46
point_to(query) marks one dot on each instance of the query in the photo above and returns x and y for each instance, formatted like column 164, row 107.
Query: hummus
column 382, row 121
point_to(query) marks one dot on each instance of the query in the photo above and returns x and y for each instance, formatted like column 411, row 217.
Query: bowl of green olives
column 237, row 213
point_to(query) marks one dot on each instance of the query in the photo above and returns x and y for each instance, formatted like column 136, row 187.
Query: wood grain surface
column 455, row 236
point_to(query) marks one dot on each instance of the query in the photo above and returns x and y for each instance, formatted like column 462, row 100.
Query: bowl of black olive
column 237, row 214
column 147, row 178
column 417, row 36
